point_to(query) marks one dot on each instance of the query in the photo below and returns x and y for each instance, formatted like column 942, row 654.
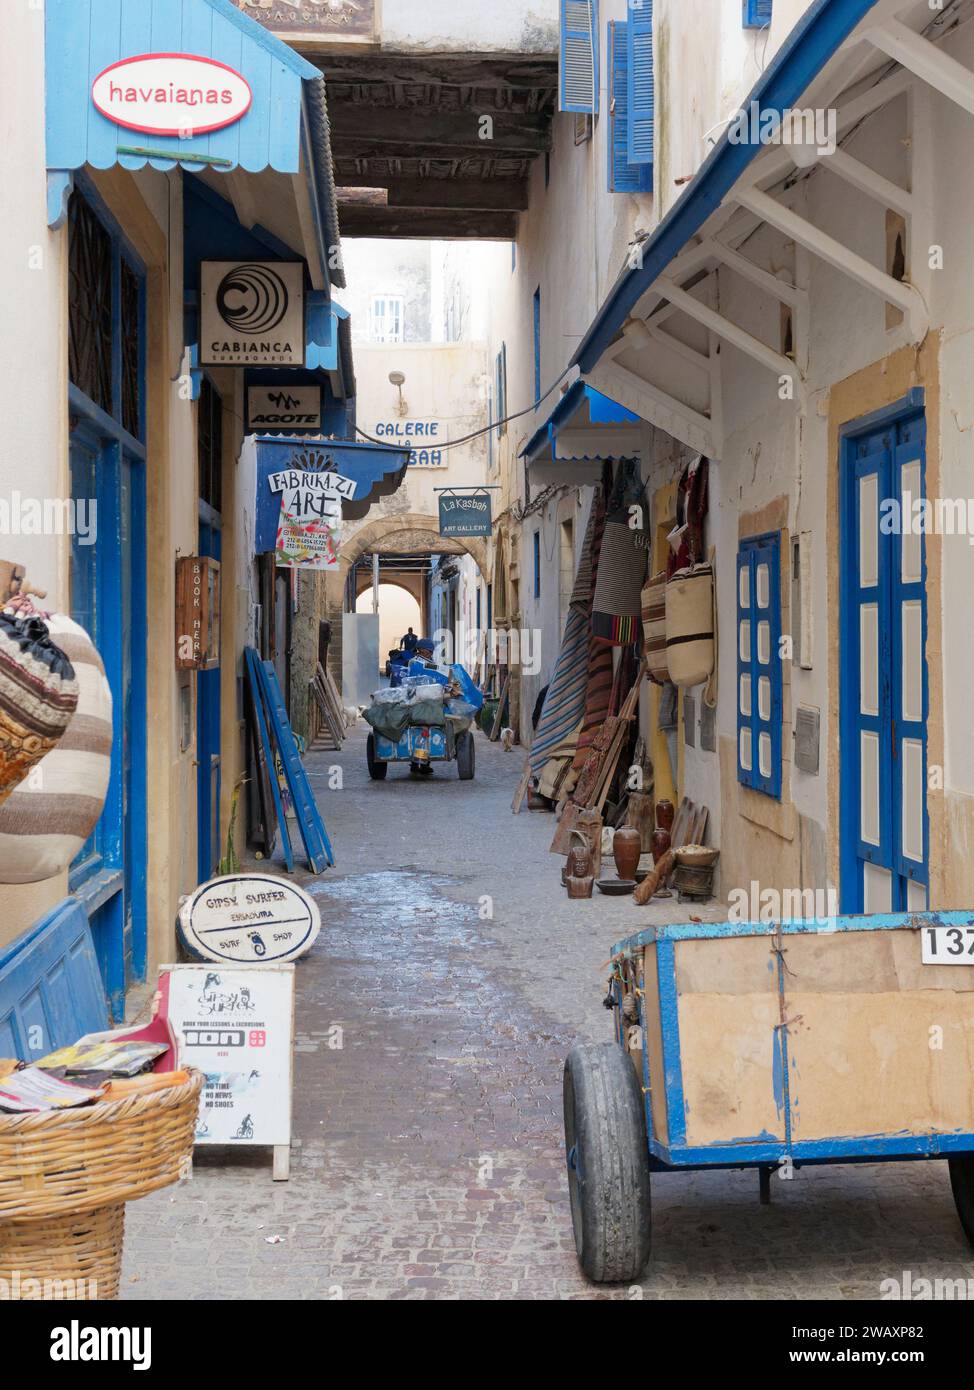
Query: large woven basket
column 74, row 1258
column 70, row 1162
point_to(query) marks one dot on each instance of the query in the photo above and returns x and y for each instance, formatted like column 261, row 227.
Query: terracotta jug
column 661, row 843
column 665, row 814
column 626, row 849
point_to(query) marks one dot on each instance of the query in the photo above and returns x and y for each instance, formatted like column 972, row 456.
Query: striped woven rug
column 565, row 700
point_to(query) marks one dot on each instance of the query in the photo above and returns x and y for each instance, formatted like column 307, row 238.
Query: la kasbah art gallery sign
column 314, row 19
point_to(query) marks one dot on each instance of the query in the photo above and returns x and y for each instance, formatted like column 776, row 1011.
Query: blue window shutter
column 757, row 14
column 578, row 56
column 759, row 695
column 639, row 82
column 623, row 176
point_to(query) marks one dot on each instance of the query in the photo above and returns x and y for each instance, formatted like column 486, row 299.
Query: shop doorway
column 107, row 573
column 208, row 722
column 883, row 669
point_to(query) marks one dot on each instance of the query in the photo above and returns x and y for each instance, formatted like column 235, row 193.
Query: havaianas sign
column 180, row 94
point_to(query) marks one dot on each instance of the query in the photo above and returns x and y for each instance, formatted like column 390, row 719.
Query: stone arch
column 412, row 533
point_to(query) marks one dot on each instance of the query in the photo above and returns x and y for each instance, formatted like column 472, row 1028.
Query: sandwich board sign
column 236, row 1026
column 248, row 919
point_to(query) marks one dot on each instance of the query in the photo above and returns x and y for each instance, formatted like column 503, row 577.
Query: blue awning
column 212, row 231
column 376, row 470
column 584, row 428
column 284, row 128
column 815, row 39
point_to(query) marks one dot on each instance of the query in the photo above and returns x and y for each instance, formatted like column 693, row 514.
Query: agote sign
column 181, row 94
column 252, row 313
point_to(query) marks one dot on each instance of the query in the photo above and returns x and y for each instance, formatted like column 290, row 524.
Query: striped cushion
column 47, row 818
column 654, row 628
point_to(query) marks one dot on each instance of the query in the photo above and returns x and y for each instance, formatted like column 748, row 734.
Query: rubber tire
column 608, row 1163
column 466, row 756
column 962, row 1183
column 377, row 770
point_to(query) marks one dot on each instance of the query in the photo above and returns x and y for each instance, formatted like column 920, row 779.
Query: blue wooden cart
column 422, row 745
column 770, row 1046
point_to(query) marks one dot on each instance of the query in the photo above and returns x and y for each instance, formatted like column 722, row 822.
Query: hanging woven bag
column 38, row 696
column 46, row 818
column 690, row 625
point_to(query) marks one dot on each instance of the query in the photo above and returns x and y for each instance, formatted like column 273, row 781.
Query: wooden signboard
column 197, row 613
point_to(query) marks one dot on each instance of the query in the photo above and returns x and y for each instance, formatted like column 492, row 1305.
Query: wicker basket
column 73, row 1258
column 68, row 1162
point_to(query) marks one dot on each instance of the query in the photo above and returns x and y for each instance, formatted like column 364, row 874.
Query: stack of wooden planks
column 330, row 730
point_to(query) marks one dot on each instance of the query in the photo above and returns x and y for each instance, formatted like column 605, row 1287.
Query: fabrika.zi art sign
column 181, row 94
column 309, row 528
column 252, row 314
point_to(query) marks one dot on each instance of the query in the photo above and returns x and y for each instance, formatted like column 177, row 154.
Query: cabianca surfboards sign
column 250, row 919
column 171, row 94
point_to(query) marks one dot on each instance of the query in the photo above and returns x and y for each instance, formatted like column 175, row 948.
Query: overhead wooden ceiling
column 414, row 127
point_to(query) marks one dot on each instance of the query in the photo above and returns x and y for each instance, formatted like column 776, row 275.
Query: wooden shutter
column 578, row 58
column 639, row 82
column 623, row 176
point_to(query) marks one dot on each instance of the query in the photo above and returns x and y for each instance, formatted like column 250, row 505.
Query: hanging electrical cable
column 494, row 424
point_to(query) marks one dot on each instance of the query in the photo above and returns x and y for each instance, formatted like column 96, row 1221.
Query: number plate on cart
column 947, row 945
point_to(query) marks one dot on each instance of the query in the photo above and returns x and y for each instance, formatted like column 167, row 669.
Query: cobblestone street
column 427, row 1158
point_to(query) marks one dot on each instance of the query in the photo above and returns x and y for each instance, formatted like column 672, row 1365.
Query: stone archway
column 411, row 533
column 405, row 533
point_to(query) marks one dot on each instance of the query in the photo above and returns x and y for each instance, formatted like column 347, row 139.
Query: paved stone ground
column 428, row 1159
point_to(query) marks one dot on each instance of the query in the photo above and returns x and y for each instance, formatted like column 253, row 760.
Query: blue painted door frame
column 882, row 470
column 208, row 772
column 108, row 597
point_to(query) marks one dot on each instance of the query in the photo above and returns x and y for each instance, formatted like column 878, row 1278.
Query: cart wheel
column 466, row 756
column 962, row 1181
column 377, row 770
column 608, row 1163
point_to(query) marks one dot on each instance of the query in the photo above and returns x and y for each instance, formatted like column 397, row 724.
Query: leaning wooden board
column 807, row 1037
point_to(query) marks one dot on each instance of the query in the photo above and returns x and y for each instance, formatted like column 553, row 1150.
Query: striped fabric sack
column 48, row 817
column 38, row 696
column 617, row 604
column 654, row 628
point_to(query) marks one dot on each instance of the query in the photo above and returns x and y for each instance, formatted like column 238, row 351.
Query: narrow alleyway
column 427, row 1158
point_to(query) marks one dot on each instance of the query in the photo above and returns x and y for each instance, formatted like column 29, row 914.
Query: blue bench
column 51, row 989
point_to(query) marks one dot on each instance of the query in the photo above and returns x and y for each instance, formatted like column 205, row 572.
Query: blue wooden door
column 208, row 739
column 108, row 600
column 884, row 697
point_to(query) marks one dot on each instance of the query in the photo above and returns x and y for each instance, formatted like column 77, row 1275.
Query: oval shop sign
column 251, row 919
column 171, row 94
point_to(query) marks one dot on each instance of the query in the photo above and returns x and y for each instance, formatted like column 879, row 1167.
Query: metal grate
column 131, row 350
column 89, row 304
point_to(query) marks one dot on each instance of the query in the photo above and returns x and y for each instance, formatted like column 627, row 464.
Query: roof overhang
column 377, row 470
column 583, row 430
column 276, row 157
column 654, row 344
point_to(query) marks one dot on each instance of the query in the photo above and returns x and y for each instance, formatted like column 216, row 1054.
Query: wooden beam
column 926, row 60
column 446, row 224
column 491, row 195
column 827, row 248
column 501, row 71
column 394, row 128
column 362, row 197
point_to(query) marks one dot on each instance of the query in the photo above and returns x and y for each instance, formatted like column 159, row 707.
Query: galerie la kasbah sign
column 181, row 94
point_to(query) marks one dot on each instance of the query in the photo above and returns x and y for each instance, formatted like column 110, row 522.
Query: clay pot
column 580, row 887
column 661, row 843
column 665, row 814
column 627, row 846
